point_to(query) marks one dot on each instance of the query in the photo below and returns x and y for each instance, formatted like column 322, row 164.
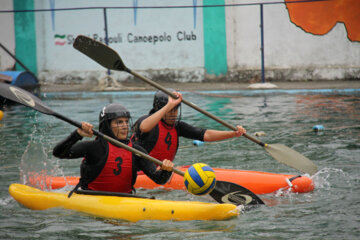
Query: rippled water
column 331, row 211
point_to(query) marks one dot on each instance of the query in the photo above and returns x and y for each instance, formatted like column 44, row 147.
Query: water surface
column 329, row 212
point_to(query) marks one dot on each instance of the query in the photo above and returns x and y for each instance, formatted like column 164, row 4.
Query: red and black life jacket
column 116, row 176
column 167, row 143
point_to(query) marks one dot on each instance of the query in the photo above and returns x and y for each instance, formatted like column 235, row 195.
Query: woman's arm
column 150, row 122
column 159, row 176
column 215, row 135
column 69, row 147
column 65, row 148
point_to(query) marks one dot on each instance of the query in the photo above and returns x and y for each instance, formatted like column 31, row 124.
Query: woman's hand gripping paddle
column 224, row 192
column 110, row 59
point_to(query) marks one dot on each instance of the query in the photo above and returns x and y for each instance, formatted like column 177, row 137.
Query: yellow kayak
column 126, row 208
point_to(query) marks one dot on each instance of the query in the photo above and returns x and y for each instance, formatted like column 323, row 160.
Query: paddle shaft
column 117, row 143
column 190, row 104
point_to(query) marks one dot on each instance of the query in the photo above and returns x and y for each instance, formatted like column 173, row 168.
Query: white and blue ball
column 199, row 179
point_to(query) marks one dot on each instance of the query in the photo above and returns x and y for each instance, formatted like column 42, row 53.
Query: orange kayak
column 255, row 181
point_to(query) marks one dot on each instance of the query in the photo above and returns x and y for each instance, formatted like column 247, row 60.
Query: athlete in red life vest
column 106, row 167
column 159, row 131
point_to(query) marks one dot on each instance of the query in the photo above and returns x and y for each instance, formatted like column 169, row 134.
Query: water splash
column 327, row 178
column 286, row 191
column 5, row 201
column 35, row 165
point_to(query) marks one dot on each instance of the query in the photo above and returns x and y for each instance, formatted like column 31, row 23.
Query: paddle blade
column 99, row 52
column 23, row 97
column 291, row 158
column 227, row 192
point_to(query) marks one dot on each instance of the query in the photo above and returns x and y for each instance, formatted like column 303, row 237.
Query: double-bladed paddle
column 110, row 59
column 224, row 192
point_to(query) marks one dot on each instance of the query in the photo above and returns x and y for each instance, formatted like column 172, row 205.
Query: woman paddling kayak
column 106, row 167
column 159, row 131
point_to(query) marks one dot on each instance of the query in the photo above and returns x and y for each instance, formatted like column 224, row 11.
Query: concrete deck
column 204, row 86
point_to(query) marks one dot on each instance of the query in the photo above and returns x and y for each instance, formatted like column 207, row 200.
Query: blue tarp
column 22, row 78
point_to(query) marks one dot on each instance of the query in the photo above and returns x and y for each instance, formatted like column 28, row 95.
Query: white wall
column 172, row 52
column 290, row 52
column 286, row 45
column 7, row 38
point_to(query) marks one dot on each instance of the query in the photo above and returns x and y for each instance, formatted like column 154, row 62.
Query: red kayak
column 257, row 182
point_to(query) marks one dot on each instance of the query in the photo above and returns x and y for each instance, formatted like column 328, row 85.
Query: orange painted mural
column 321, row 16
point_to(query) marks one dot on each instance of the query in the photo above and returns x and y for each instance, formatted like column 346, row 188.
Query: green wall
column 25, row 35
column 215, row 37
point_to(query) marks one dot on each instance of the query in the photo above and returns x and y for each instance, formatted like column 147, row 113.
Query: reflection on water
column 325, row 107
column 329, row 212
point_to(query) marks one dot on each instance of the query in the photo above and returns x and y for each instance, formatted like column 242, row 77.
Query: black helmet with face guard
column 110, row 112
column 160, row 100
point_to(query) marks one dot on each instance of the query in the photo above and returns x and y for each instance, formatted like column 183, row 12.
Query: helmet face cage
column 178, row 118
column 179, row 115
column 161, row 99
column 111, row 112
